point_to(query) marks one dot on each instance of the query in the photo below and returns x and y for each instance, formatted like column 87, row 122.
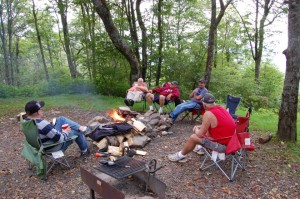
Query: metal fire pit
column 143, row 171
column 123, row 167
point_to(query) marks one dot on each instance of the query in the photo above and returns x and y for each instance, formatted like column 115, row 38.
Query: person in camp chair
column 165, row 94
column 50, row 133
column 194, row 103
column 217, row 124
column 136, row 92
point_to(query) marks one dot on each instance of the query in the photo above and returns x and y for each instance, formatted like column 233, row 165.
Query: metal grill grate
column 123, row 167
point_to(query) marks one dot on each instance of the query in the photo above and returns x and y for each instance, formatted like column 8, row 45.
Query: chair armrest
column 45, row 146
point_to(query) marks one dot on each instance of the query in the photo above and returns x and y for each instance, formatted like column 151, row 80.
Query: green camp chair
column 37, row 154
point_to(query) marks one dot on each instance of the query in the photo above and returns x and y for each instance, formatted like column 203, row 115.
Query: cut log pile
column 145, row 126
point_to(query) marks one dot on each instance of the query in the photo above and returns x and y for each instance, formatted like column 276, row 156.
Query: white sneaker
column 175, row 158
column 160, row 111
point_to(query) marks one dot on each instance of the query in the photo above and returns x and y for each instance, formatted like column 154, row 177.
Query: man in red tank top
column 217, row 124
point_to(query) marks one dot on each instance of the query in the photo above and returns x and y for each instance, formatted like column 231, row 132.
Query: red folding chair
column 236, row 150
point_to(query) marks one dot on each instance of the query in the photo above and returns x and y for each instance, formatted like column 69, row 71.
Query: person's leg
column 137, row 96
column 183, row 107
column 188, row 147
column 130, row 95
column 150, row 99
column 162, row 100
column 80, row 141
column 63, row 120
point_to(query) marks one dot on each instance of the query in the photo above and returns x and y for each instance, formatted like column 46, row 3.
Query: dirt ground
column 269, row 173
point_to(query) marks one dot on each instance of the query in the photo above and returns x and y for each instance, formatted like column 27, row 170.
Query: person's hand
column 68, row 130
column 196, row 129
column 169, row 97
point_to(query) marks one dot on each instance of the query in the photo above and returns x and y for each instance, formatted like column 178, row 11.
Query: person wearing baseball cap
column 50, row 133
column 217, row 123
column 194, row 103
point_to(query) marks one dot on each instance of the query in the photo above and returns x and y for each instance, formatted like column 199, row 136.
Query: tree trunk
column 129, row 10
column 160, row 46
column 212, row 36
column 40, row 41
column 86, row 20
column 104, row 13
column 50, row 52
column 144, row 39
column 287, row 123
column 4, row 47
column 10, row 35
column 63, row 15
column 17, row 61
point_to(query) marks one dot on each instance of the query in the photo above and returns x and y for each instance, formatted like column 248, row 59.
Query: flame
column 115, row 116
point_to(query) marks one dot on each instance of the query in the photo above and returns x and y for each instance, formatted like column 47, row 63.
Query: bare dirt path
column 269, row 173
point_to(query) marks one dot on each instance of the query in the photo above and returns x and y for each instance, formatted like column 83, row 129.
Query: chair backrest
column 232, row 103
column 242, row 124
column 31, row 133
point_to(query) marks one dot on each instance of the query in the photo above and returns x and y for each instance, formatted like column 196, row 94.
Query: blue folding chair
column 231, row 105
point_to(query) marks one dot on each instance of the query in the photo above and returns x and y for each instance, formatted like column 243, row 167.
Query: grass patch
column 88, row 102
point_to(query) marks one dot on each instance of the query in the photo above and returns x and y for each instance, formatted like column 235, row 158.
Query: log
column 265, row 139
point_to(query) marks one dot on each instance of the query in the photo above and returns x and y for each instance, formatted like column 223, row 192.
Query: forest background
column 65, row 46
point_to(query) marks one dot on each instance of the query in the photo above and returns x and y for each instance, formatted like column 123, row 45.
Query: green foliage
column 53, row 87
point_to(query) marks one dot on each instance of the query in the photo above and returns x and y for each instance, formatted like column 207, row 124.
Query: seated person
column 136, row 92
column 166, row 93
column 52, row 133
column 194, row 103
column 217, row 123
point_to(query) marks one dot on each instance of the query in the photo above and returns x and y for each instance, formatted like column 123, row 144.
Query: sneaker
column 160, row 111
column 85, row 154
column 126, row 101
column 175, row 158
column 199, row 150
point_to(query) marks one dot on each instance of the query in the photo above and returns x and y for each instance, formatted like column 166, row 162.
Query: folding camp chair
column 236, row 151
column 193, row 114
column 231, row 105
column 168, row 104
column 36, row 153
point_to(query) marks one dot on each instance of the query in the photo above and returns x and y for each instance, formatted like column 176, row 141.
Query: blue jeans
column 80, row 140
column 184, row 107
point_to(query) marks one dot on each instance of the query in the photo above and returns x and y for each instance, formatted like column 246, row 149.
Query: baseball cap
column 174, row 83
column 208, row 99
column 33, row 106
column 202, row 81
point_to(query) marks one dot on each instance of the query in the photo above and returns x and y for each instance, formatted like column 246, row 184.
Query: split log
column 265, row 139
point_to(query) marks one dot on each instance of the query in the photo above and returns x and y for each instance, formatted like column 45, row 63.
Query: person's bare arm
column 192, row 94
column 206, row 123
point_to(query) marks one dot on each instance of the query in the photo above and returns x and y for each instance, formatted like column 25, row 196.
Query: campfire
column 144, row 127
column 115, row 116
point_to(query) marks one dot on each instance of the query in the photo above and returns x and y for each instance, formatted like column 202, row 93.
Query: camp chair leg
column 62, row 161
column 30, row 165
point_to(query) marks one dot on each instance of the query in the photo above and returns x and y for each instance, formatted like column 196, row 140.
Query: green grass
column 87, row 102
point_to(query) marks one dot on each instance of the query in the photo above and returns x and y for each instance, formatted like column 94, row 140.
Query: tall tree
column 4, row 45
column 214, row 22
column 266, row 12
column 160, row 45
column 39, row 39
column 104, row 13
column 63, row 11
column 287, row 123
column 144, row 39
